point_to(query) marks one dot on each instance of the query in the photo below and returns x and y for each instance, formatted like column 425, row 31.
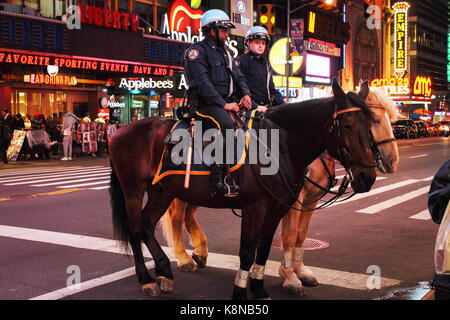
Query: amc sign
column 422, row 86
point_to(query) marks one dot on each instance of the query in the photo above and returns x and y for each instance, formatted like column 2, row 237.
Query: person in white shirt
column 86, row 118
column 69, row 121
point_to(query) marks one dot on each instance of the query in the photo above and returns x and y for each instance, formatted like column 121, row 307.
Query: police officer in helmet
column 214, row 80
column 257, row 71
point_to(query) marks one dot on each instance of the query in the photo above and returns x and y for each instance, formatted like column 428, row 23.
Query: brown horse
column 338, row 124
column 295, row 224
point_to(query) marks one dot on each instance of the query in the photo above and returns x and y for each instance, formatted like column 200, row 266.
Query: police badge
column 193, row 54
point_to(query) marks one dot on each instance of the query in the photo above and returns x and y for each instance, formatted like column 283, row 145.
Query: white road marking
column 56, row 175
column 92, row 177
column 25, row 172
column 356, row 281
column 100, row 188
column 338, row 185
column 419, row 156
column 423, row 215
column 394, row 201
column 380, row 190
column 85, row 184
column 68, row 179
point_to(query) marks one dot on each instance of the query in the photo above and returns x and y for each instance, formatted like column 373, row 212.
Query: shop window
column 19, row 102
column 32, row 4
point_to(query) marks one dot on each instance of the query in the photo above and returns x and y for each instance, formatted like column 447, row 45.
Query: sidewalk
column 55, row 161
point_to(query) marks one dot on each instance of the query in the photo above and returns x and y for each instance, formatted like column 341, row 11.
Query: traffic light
column 266, row 17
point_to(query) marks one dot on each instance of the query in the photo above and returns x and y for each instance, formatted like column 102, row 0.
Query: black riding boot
column 219, row 182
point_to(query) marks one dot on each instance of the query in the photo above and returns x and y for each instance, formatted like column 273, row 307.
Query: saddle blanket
column 199, row 164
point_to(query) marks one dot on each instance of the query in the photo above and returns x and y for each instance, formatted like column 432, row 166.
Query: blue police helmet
column 216, row 18
column 257, row 32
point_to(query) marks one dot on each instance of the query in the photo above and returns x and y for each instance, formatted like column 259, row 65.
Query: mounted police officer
column 214, row 80
column 257, row 71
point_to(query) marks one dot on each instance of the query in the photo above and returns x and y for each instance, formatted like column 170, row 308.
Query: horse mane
column 290, row 115
column 358, row 101
column 378, row 96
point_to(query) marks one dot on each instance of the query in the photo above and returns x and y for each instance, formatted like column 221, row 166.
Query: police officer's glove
column 246, row 102
column 261, row 108
column 231, row 107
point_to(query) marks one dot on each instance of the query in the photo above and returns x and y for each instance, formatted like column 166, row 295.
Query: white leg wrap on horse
column 286, row 262
column 241, row 279
column 298, row 254
column 257, row 272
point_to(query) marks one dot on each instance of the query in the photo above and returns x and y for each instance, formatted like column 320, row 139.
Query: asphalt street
column 55, row 218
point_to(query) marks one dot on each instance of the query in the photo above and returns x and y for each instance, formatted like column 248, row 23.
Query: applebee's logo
column 182, row 16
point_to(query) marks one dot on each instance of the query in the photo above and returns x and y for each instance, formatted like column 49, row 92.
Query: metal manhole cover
column 309, row 244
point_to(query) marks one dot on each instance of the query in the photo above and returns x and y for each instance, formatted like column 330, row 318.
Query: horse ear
column 363, row 89
column 360, row 82
column 338, row 93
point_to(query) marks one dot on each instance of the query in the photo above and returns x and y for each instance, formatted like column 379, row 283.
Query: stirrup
column 230, row 194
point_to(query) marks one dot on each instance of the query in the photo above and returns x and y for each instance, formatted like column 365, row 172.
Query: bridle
column 374, row 144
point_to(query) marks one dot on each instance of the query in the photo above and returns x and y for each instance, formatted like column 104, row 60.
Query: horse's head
column 350, row 138
column 384, row 111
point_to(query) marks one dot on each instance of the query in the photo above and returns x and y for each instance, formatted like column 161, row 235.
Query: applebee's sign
column 182, row 23
column 140, row 84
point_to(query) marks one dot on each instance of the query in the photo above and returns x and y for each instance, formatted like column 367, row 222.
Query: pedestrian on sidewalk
column 5, row 139
column 69, row 121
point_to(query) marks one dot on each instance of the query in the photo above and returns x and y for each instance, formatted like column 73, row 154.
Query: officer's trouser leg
column 218, row 118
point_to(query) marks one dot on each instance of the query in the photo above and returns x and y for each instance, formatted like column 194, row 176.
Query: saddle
column 182, row 130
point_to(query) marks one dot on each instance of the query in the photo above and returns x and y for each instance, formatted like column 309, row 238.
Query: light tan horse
column 295, row 224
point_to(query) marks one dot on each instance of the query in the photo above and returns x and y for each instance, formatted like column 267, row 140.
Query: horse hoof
column 296, row 291
column 199, row 260
column 165, row 284
column 151, row 289
column 188, row 267
column 309, row 282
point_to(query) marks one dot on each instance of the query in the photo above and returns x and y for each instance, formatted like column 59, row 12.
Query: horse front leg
column 251, row 225
column 197, row 236
column 270, row 225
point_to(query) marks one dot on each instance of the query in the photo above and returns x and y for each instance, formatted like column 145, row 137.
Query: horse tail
column 119, row 212
column 167, row 226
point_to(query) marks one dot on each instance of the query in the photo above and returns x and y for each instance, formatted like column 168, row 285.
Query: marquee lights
column 401, row 37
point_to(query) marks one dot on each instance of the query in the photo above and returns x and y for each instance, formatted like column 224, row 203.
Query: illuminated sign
column 401, row 37
column 448, row 57
column 52, row 70
column 58, row 80
column 140, row 84
column 112, row 103
column 311, row 22
column 241, row 14
column 422, row 86
column 108, row 18
column 94, row 64
column 330, row 27
column 277, row 57
column 322, row 48
column 317, row 66
column 294, row 82
column 182, row 23
column 393, row 86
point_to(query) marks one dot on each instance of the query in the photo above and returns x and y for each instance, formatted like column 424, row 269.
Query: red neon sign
column 181, row 16
column 108, row 18
column 87, row 63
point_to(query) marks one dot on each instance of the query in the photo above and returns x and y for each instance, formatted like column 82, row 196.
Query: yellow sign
column 277, row 57
column 401, row 37
column 311, row 22
column 422, row 86
column 393, row 86
column 294, row 82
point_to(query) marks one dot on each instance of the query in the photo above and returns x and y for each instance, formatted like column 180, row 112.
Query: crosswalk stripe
column 85, row 184
column 423, row 215
column 338, row 185
column 394, row 201
column 98, row 177
column 59, row 175
column 100, row 188
column 380, row 190
column 50, row 172
column 419, row 156
column 25, row 172
column 349, row 280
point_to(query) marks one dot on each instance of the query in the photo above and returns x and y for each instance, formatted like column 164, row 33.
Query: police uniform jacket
column 208, row 71
column 259, row 78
